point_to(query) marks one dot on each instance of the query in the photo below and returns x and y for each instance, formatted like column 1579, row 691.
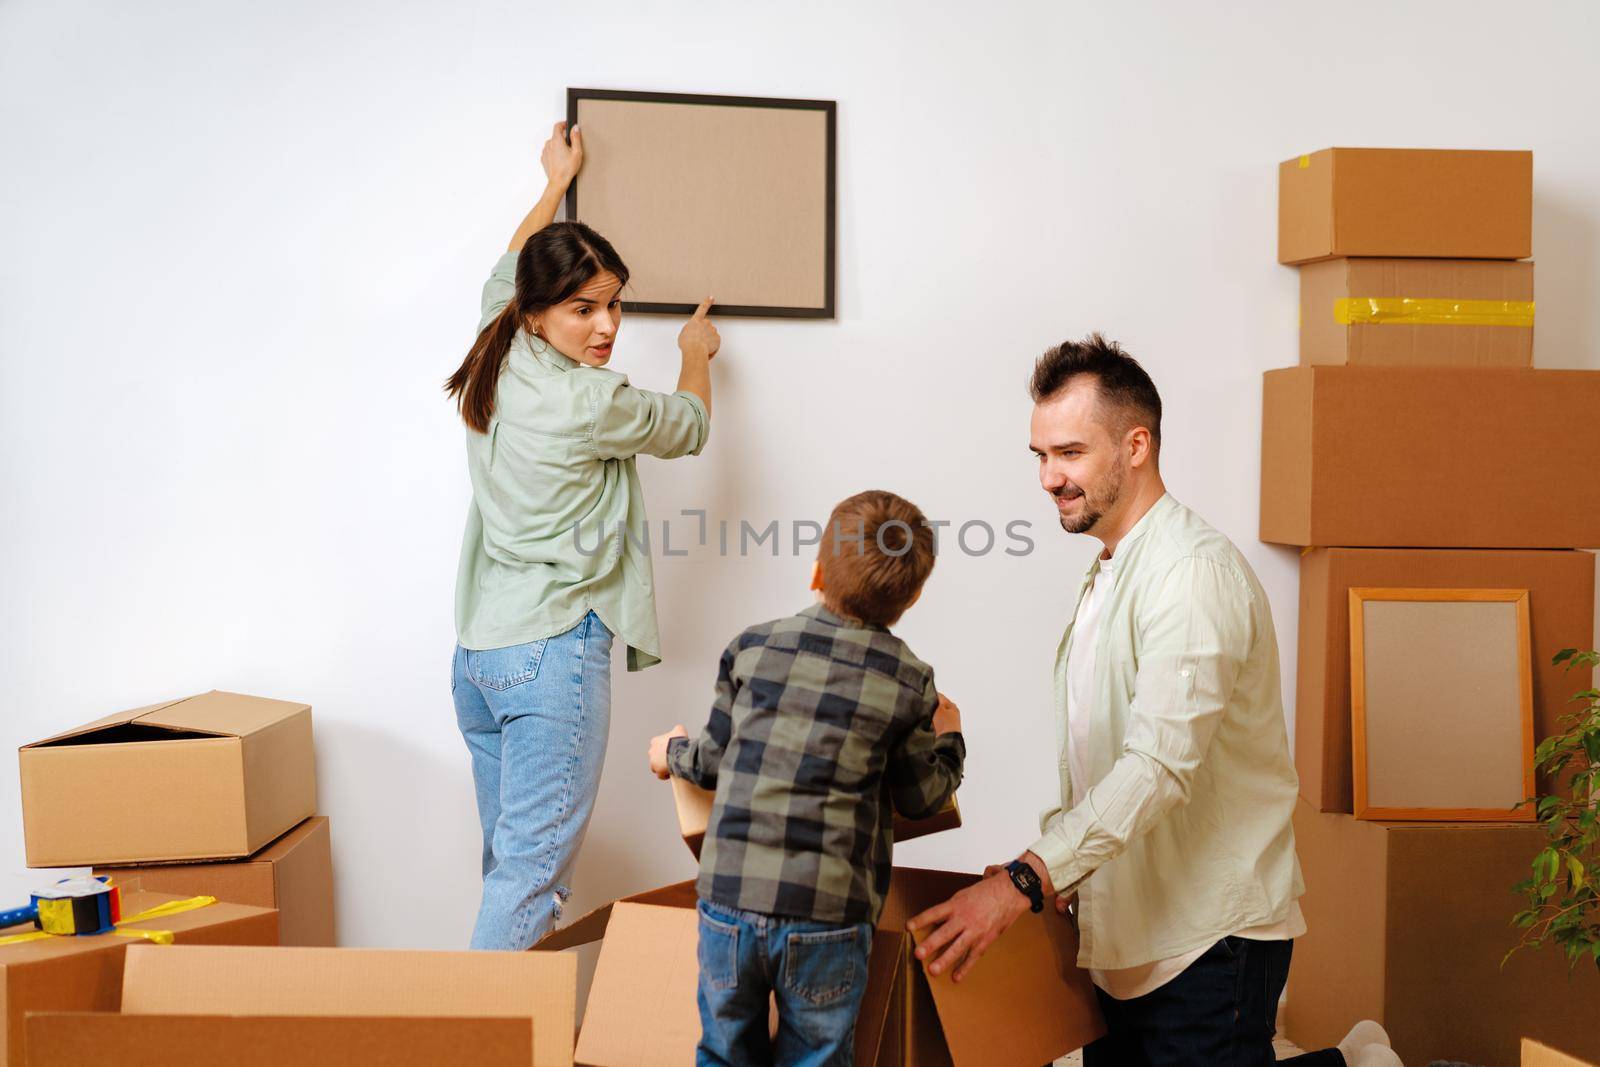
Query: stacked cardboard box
column 210, row 796
column 1408, row 923
column 1416, row 446
column 293, row 875
column 1028, row 1002
column 213, row 794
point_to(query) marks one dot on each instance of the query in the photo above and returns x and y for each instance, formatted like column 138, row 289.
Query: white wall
column 243, row 249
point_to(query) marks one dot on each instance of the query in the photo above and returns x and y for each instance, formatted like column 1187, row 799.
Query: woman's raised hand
column 698, row 335
column 560, row 158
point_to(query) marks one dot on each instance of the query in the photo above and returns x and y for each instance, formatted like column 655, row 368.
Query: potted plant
column 1563, row 901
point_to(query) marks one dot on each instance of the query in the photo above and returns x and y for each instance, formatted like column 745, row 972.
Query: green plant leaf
column 1559, row 901
column 1547, row 864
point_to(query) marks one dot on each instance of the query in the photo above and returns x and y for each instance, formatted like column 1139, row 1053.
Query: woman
column 552, row 563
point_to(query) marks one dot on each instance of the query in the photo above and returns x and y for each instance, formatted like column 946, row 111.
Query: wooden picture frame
column 1418, row 649
column 657, row 202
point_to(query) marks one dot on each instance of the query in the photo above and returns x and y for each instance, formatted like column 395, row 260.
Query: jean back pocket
column 823, row 966
column 718, row 952
column 502, row 668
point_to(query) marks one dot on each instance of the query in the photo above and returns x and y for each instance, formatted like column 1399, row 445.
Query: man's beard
column 1095, row 504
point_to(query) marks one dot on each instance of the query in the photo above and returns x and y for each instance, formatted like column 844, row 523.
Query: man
column 1176, row 786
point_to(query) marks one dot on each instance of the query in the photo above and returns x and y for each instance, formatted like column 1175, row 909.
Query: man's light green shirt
column 557, row 524
column 1182, row 835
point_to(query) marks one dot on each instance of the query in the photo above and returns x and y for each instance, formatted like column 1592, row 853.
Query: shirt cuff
column 1066, row 870
column 676, row 746
column 702, row 423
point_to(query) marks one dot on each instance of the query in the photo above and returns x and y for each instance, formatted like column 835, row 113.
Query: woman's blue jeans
column 535, row 718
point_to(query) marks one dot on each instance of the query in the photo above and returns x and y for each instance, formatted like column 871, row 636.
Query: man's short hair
column 876, row 552
column 1124, row 387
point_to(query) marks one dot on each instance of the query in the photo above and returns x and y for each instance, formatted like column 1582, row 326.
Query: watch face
column 1025, row 876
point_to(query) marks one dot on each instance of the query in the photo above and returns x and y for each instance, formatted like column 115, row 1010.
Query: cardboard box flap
column 213, row 714
column 585, row 930
column 212, row 980
column 1535, row 1054
column 676, row 895
column 1026, row 1001
column 641, row 1010
column 591, row 926
column 68, row 1039
column 120, row 718
column 219, row 712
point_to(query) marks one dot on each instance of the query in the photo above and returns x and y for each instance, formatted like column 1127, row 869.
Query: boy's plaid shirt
column 821, row 730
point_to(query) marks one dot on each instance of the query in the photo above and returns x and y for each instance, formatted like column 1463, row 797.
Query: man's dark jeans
column 1220, row 1012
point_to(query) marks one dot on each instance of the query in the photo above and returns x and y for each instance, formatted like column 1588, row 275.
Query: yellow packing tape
column 1417, row 311
column 160, row 911
column 171, row 907
column 56, row 916
column 1305, row 162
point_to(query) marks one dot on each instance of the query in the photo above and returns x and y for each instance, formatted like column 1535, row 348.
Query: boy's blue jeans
column 817, row 970
column 535, row 717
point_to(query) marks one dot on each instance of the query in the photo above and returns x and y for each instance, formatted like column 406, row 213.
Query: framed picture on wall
column 732, row 197
column 1441, row 702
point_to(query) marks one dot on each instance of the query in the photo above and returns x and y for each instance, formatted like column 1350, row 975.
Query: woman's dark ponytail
column 473, row 384
column 555, row 262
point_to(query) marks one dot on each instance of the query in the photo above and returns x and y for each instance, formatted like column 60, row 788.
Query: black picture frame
column 830, row 110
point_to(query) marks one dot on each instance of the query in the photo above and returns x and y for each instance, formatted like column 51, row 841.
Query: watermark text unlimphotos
column 725, row 537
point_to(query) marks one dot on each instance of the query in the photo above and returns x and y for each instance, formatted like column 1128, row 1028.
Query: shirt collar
column 546, row 353
column 1146, row 521
column 821, row 613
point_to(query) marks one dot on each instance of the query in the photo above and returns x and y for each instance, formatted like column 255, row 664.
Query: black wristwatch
column 1027, row 882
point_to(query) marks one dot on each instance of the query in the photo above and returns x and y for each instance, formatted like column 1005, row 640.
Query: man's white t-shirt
column 1125, row 983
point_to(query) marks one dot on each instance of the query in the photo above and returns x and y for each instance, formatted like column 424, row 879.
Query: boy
column 824, row 724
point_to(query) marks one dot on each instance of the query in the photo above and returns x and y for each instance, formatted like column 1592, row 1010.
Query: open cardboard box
column 479, row 1007
column 1026, row 1002
column 694, row 815
column 213, row 776
column 85, row 973
column 294, row 875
